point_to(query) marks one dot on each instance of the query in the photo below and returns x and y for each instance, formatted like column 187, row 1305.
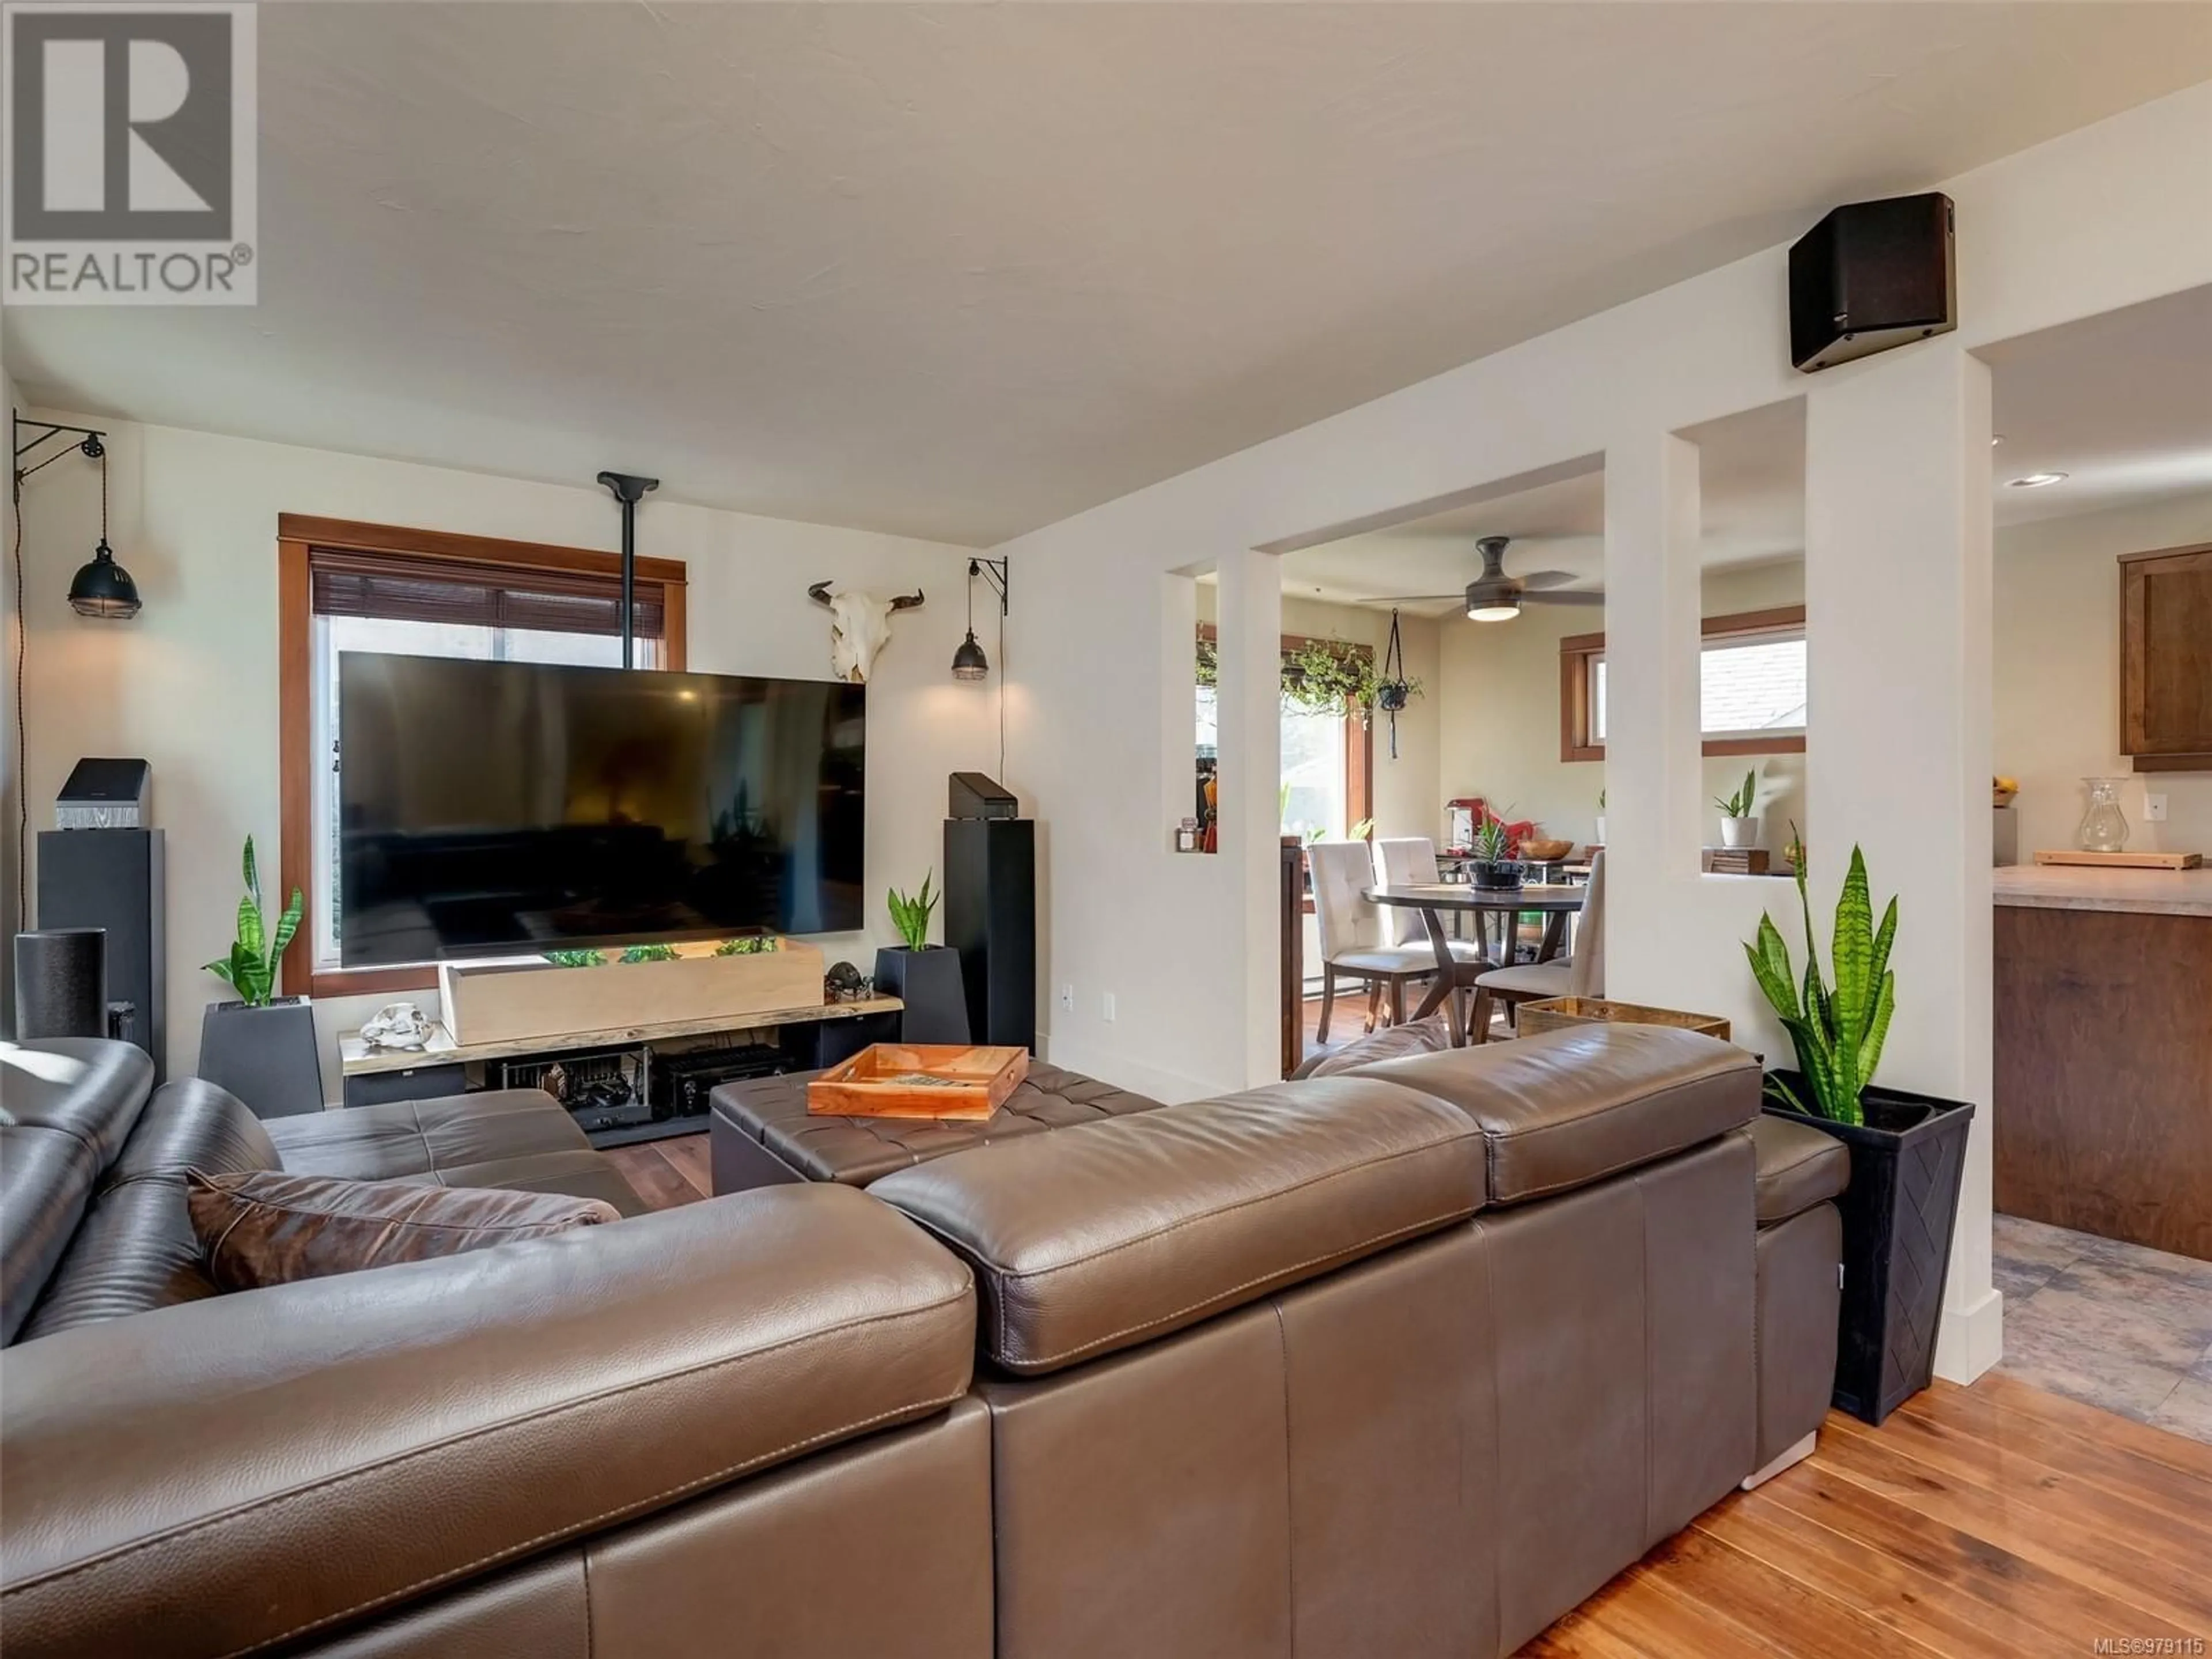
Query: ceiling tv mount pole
column 628, row 490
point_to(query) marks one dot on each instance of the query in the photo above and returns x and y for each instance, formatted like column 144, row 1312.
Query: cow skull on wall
column 860, row 625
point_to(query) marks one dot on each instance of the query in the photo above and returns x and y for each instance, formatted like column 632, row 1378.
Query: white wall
column 2104, row 217
column 2057, row 671
column 190, row 683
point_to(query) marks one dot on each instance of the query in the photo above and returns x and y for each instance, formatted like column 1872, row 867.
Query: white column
column 1897, row 599
column 1250, row 620
column 1653, row 769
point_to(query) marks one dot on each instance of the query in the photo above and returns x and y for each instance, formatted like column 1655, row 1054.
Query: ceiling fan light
column 1493, row 610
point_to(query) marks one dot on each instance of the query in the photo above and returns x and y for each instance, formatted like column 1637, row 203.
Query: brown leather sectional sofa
column 1404, row 1362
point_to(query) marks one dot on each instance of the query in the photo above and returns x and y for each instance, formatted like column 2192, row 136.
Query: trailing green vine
column 1321, row 676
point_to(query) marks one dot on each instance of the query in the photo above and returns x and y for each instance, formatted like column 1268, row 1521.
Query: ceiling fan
column 1496, row 597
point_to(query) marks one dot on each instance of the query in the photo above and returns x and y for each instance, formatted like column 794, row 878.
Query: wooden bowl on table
column 1546, row 849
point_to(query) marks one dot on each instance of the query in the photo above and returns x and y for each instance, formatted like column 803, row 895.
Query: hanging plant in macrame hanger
column 1393, row 690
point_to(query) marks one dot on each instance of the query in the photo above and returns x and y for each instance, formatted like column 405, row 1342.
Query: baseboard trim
column 1171, row 1087
column 1972, row 1338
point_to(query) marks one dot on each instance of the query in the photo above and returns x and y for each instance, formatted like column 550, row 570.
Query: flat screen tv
column 506, row 808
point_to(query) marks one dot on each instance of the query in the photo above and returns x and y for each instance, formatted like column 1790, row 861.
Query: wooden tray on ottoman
column 924, row 1079
column 1556, row 1013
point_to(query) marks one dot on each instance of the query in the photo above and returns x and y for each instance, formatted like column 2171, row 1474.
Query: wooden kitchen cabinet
column 2165, row 660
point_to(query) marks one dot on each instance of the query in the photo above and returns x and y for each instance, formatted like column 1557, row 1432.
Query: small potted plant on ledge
column 1739, row 828
column 1493, row 865
column 925, row 976
column 1908, row 1149
column 261, row 1047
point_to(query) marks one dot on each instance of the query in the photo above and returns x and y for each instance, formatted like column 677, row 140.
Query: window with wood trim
column 1327, row 754
column 347, row 587
column 1750, row 682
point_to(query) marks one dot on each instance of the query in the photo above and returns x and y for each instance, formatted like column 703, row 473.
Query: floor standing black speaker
column 990, row 919
column 112, row 878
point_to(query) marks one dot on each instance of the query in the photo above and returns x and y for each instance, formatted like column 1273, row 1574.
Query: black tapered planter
column 1907, row 1161
column 928, row 981
column 265, row 1056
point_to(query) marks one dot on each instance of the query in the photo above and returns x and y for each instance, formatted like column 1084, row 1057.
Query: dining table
column 1556, row 901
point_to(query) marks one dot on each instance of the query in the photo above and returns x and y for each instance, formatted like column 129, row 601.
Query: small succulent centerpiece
column 1739, row 819
column 1908, row 1149
column 926, row 977
column 1493, row 865
column 258, row 1046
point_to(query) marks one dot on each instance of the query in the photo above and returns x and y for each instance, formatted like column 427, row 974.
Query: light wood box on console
column 512, row 1000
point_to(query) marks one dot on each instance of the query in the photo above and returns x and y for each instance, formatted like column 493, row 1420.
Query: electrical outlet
column 1106, row 1008
column 2153, row 809
column 1067, row 999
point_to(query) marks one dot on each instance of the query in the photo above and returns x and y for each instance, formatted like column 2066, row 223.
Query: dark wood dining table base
column 1454, row 976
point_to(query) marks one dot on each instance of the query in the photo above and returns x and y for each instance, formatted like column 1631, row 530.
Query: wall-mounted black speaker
column 990, row 919
column 113, row 879
column 1871, row 276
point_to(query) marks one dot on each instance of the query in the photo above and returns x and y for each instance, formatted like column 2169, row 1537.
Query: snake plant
column 1739, row 805
column 1837, row 1030
column 1492, row 843
column 910, row 915
column 250, row 969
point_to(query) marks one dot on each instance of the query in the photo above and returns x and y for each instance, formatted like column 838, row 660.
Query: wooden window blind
column 343, row 583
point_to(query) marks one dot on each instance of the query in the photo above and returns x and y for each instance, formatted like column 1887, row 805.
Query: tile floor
column 2110, row 1324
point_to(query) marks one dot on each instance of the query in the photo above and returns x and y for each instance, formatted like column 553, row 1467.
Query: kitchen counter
column 2080, row 887
column 2102, row 1087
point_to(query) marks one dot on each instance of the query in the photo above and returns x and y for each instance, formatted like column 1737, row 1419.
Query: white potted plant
column 261, row 1047
column 1739, row 827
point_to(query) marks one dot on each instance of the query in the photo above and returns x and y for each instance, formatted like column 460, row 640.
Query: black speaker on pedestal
column 112, row 879
column 990, row 919
column 60, row 983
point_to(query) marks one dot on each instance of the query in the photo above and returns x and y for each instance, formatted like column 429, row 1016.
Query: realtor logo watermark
column 129, row 154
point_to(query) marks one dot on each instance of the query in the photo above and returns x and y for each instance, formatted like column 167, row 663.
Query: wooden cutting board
column 2124, row 860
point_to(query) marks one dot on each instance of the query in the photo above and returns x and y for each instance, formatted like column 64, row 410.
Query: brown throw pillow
column 1422, row 1036
column 265, row 1227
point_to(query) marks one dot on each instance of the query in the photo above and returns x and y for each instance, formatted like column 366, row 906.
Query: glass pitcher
column 2104, row 829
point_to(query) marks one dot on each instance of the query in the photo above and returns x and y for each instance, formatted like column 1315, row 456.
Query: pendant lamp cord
column 1002, row 690
column 22, row 734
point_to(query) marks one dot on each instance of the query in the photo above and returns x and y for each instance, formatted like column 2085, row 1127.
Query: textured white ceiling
column 2121, row 402
column 959, row 271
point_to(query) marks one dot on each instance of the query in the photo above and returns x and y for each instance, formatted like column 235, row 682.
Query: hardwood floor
column 666, row 1173
column 1994, row 1520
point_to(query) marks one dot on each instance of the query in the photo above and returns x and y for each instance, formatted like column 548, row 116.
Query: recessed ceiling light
column 2039, row 480
column 1995, row 438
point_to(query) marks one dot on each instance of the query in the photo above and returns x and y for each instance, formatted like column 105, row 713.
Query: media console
column 808, row 1038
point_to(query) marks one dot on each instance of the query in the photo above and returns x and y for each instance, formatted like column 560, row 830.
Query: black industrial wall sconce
column 969, row 662
column 100, row 588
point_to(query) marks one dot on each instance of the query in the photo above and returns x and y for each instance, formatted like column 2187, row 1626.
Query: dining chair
column 1359, row 941
column 1581, row 974
column 1411, row 861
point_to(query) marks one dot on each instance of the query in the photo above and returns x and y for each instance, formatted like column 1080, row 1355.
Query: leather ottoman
column 762, row 1134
